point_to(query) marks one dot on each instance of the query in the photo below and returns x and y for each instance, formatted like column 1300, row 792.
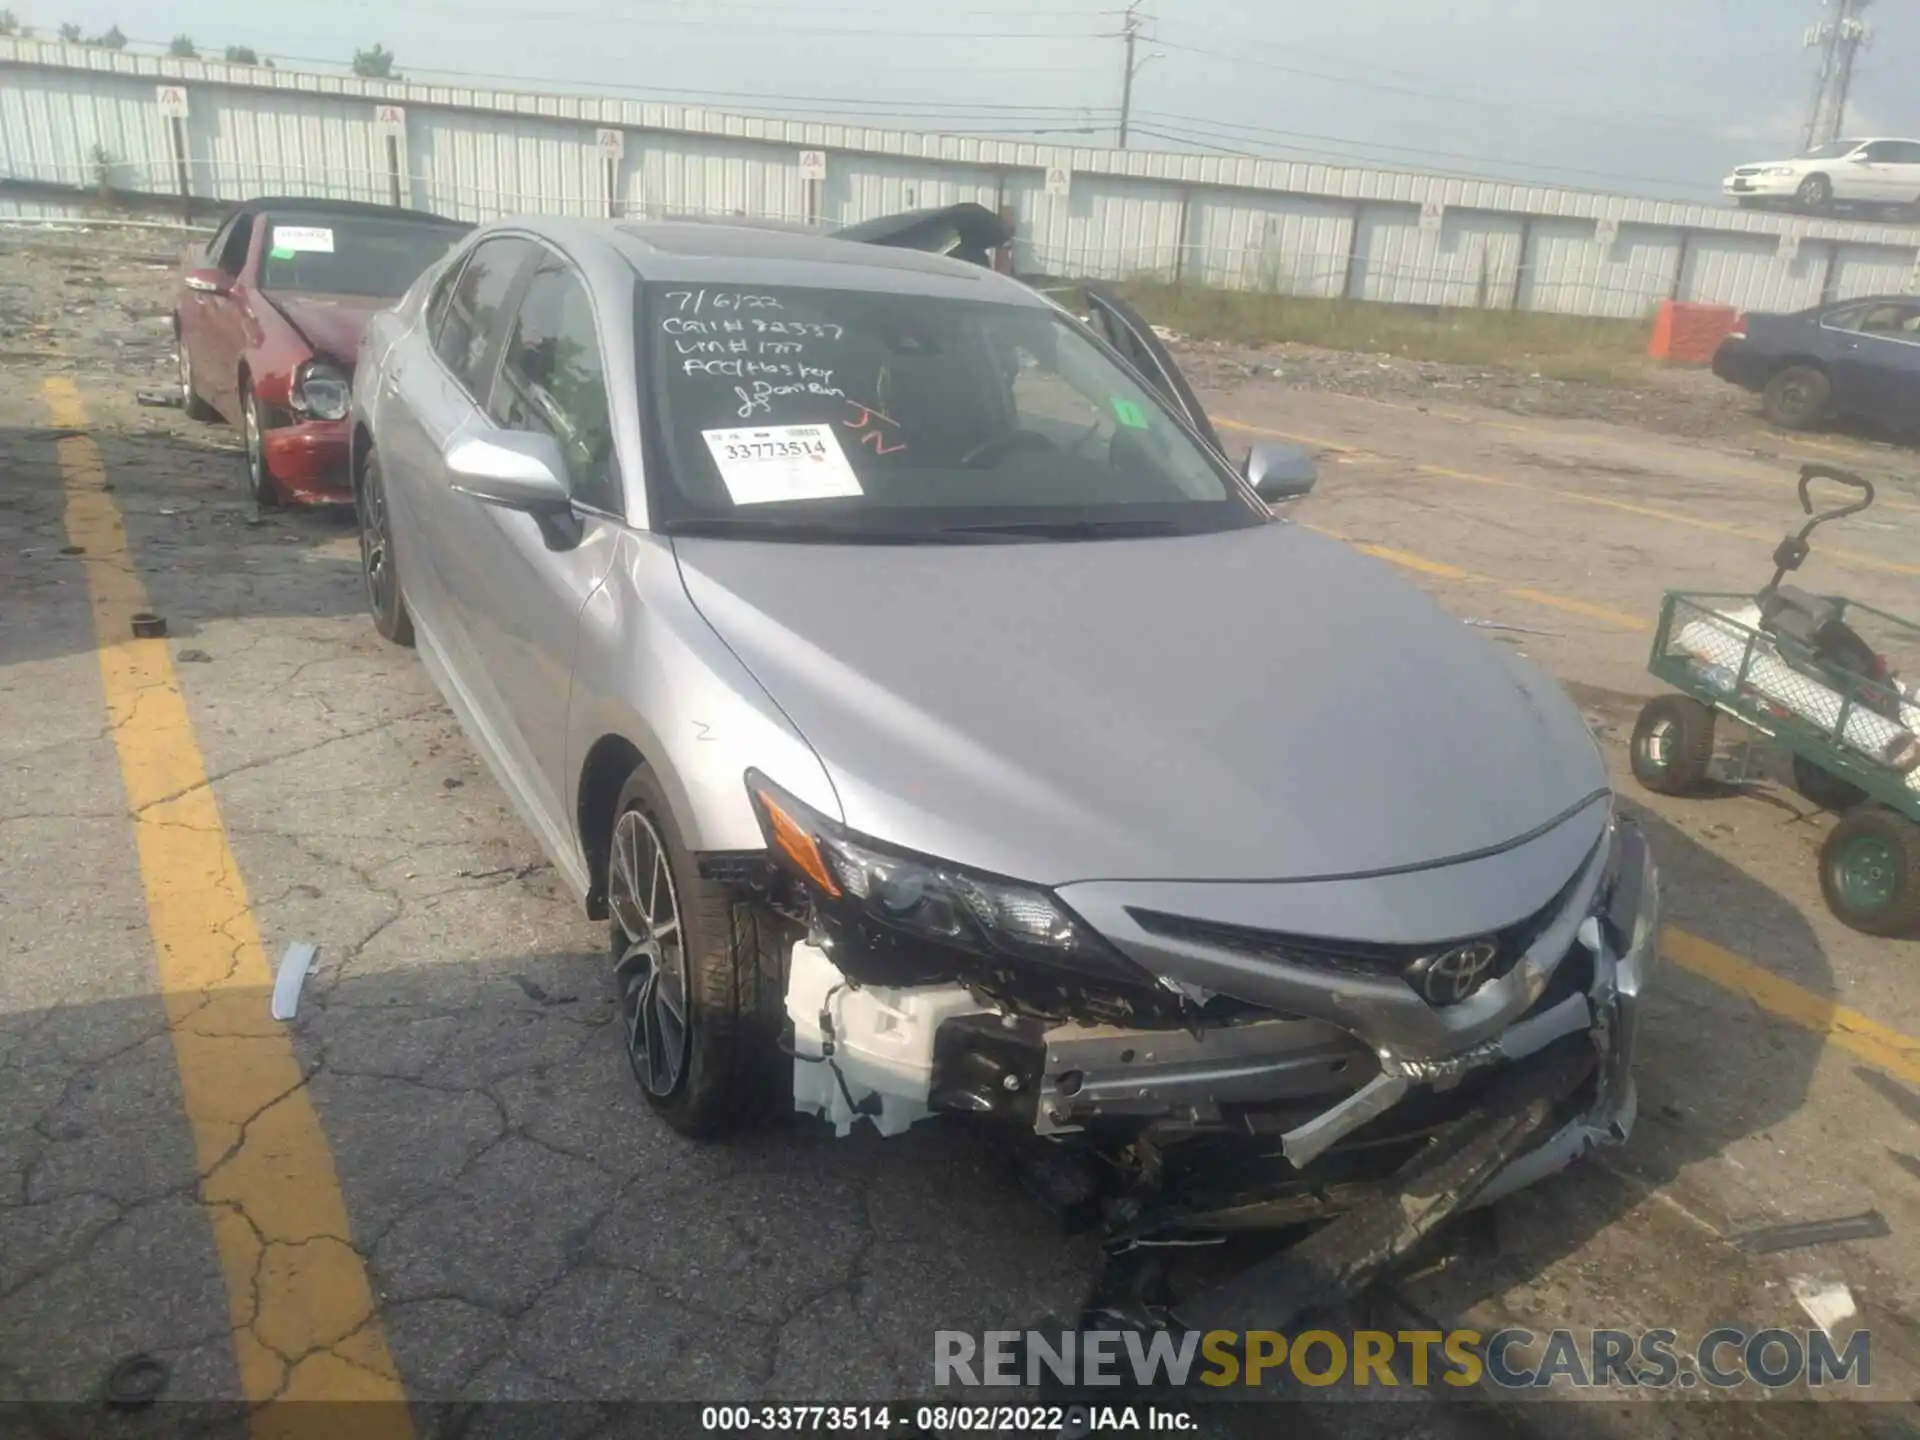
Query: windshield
column 791, row 411
column 352, row 254
column 1832, row 150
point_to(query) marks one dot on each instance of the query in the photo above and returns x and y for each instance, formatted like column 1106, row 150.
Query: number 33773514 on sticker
column 781, row 462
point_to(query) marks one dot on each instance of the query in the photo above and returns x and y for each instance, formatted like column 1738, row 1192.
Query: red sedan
column 267, row 323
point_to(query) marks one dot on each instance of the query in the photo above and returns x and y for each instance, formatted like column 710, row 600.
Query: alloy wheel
column 376, row 542
column 183, row 365
column 652, row 969
column 256, row 461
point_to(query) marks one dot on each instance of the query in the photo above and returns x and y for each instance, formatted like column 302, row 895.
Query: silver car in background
column 943, row 724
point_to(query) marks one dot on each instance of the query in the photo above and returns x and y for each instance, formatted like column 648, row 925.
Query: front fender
column 650, row 669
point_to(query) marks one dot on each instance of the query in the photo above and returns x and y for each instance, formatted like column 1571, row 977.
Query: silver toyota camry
column 891, row 653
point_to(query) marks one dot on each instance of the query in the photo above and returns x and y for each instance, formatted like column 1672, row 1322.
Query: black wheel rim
column 376, row 544
column 1794, row 395
column 651, row 970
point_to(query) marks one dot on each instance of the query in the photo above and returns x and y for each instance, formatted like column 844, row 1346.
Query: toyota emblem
column 1455, row 973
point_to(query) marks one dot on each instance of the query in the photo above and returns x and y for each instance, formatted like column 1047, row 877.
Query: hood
column 330, row 323
column 1259, row 704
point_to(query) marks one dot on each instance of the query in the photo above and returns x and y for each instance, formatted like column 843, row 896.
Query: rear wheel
column 190, row 401
column 1870, row 872
column 1796, row 398
column 253, row 429
column 701, row 976
column 1823, row 787
column 378, row 565
column 1672, row 745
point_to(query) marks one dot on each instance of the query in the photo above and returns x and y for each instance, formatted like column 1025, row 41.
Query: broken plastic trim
column 1351, row 1251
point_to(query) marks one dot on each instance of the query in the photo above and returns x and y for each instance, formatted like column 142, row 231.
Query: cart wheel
column 1672, row 743
column 1870, row 872
column 1823, row 787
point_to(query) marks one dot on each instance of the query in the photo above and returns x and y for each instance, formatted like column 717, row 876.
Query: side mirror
column 514, row 469
column 1280, row 472
column 209, row 282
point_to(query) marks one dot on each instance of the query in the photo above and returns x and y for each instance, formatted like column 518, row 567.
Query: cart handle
column 1810, row 473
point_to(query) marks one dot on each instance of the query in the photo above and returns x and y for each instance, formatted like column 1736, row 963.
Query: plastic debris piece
column 193, row 657
column 136, row 1382
column 149, row 626
column 1827, row 1302
column 295, row 961
column 157, row 399
column 1871, row 1225
column 1516, row 629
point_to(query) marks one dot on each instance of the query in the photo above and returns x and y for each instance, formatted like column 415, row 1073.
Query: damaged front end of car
column 1364, row 1093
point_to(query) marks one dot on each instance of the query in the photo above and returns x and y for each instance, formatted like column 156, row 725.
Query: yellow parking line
column 1868, row 562
column 1440, row 570
column 305, row 1323
column 1883, row 1048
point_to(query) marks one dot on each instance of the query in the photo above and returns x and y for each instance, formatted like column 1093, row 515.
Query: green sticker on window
column 1131, row 415
column 282, row 252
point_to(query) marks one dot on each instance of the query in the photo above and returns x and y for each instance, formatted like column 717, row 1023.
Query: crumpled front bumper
column 1625, row 951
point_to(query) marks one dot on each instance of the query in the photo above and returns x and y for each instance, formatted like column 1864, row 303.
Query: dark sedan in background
column 1855, row 360
column 268, row 320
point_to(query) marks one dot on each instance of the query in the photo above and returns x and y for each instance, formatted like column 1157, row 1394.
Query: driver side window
column 552, row 379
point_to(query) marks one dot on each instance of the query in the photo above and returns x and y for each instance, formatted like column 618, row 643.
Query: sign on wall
column 1606, row 231
column 1433, row 215
column 173, row 101
column 1790, row 246
column 390, row 119
column 813, row 164
column 611, row 144
column 1059, row 180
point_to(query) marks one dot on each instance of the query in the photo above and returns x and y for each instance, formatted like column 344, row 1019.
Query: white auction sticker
column 782, row 462
column 303, row 237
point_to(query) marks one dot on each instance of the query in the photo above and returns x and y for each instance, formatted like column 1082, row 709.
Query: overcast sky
column 1645, row 96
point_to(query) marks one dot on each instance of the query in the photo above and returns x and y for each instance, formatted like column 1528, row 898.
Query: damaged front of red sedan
column 267, row 322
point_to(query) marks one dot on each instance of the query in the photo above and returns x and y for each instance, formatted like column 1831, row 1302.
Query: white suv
column 1879, row 174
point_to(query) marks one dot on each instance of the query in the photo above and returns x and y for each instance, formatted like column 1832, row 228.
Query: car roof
column 320, row 205
column 749, row 253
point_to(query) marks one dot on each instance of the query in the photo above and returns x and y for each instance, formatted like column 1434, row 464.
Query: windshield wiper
column 754, row 527
column 1078, row 529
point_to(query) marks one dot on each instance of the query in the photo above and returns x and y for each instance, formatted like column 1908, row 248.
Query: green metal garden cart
column 1796, row 667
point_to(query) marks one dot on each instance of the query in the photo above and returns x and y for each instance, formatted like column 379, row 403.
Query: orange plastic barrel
column 1689, row 334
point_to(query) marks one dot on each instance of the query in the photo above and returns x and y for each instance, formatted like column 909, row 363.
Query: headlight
column 1779, row 170
column 865, row 882
column 321, row 391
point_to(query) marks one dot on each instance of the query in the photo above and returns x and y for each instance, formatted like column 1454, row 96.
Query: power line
column 760, row 99
column 1643, row 120
column 1200, row 126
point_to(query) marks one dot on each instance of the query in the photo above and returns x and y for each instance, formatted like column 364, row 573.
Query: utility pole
column 1839, row 41
column 1131, row 34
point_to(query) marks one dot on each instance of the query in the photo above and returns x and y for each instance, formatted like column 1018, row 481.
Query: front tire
column 701, row 976
column 1672, row 745
column 1797, row 397
column 1815, row 194
column 260, row 484
column 1870, row 872
column 379, row 565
